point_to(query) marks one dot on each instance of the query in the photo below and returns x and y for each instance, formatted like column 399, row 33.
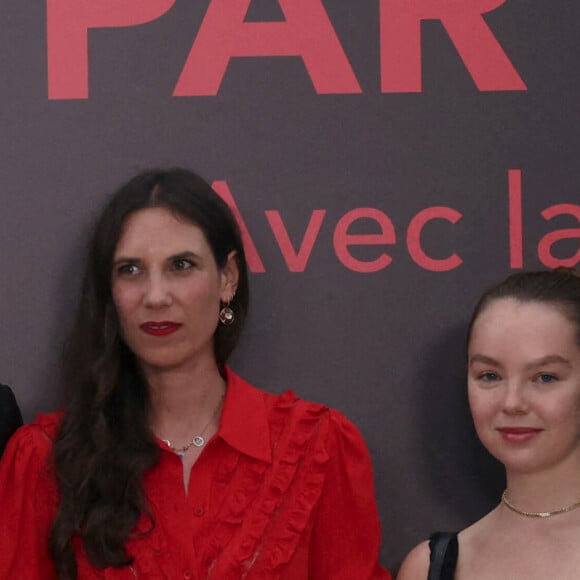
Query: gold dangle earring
column 226, row 314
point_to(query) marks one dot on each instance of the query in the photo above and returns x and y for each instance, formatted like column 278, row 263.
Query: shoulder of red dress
column 48, row 423
column 41, row 433
column 32, row 443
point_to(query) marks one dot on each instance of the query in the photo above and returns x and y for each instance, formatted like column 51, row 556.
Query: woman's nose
column 157, row 292
column 515, row 400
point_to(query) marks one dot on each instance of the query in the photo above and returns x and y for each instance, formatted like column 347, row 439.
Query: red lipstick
column 162, row 328
column 518, row 434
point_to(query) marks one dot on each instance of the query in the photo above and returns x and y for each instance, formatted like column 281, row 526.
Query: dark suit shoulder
column 10, row 417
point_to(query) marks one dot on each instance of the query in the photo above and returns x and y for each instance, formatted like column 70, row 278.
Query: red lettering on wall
column 400, row 24
column 515, row 218
column 545, row 246
column 255, row 263
column 68, row 24
column 296, row 261
column 414, row 239
column 342, row 239
column 307, row 32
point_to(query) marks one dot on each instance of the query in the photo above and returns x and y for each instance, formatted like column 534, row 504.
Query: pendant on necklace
column 198, row 440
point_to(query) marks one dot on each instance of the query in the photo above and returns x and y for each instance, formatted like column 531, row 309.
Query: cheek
column 484, row 411
column 123, row 300
column 203, row 292
column 565, row 411
column 482, row 405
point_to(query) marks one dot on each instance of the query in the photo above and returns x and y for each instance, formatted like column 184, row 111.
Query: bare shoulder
column 478, row 530
column 415, row 566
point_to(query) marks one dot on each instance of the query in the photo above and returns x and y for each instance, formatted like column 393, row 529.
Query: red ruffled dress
column 284, row 490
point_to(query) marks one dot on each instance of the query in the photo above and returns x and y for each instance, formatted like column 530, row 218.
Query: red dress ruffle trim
column 263, row 522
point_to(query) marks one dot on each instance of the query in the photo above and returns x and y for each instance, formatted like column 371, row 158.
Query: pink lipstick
column 162, row 328
column 518, row 434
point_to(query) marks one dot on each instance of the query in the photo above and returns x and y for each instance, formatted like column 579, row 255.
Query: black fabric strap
column 439, row 544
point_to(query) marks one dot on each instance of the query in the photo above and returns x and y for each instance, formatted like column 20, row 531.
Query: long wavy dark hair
column 104, row 445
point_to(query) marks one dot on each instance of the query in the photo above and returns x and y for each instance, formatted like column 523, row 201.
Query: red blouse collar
column 244, row 422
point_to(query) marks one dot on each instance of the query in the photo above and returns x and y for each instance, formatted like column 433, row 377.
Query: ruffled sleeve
column 346, row 536
column 27, row 505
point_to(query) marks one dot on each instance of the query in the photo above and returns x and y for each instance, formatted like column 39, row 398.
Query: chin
column 169, row 360
column 160, row 361
column 512, row 459
column 523, row 461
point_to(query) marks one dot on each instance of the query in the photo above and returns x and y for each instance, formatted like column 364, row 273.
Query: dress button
column 188, row 574
column 199, row 511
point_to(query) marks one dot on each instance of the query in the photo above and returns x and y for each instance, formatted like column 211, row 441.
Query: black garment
column 10, row 417
column 443, row 558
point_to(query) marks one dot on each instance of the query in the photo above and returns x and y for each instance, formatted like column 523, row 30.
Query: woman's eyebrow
column 549, row 359
column 123, row 259
column 184, row 254
column 482, row 358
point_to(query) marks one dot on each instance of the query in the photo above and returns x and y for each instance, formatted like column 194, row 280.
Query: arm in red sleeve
column 27, row 506
column 346, row 537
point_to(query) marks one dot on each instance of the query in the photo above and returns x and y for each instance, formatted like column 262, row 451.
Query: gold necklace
column 198, row 440
column 513, row 508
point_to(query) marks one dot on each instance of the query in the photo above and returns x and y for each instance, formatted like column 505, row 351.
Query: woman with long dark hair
column 523, row 375
column 164, row 463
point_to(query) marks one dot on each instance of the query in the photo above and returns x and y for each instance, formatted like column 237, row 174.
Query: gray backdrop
column 334, row 119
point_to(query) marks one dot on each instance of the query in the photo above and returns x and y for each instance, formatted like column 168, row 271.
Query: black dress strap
column 443, row 558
